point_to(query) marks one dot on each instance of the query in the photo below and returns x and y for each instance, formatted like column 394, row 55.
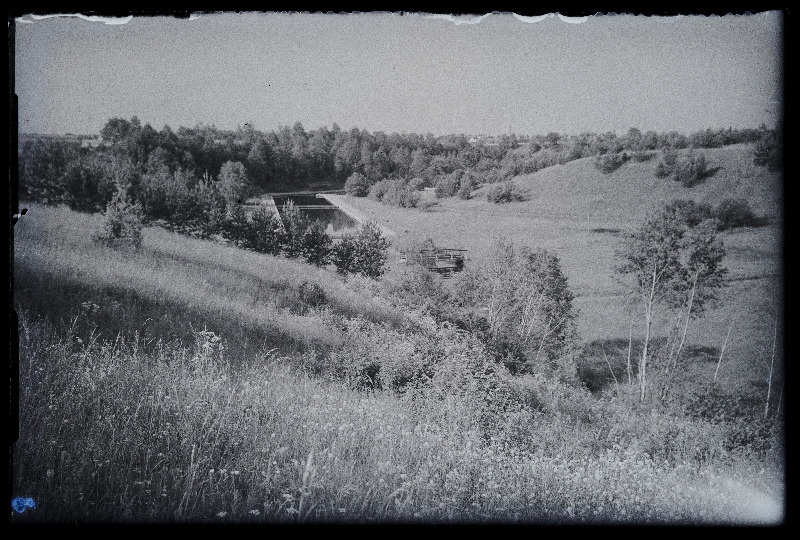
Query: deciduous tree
column 233, row 182
column 671, row 264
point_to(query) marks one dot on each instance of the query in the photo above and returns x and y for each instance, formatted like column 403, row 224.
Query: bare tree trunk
column 616, row 383
column 648, row 321
column 674, row 361
column 771, row 366
column 724, row 344
column 630, row 344
column 686, row 323
column 643, row 359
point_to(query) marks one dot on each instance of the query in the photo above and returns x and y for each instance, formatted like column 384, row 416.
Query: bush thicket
column 357, row 185
column 467, row 185
column 693, row 213
column 87, row 186
column 449, row 184
column 263, row 232
column 528, row 319
column 608, row 163
column 768, row 150
column 669, row 160
column 505, row 192
column 122, row 223
column 316, row 245
column 732, row 213
column 364, row 253
column 295, row 224
column 691, row 169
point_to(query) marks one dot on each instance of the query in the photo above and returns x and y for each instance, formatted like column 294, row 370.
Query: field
column 555, row 218
column 190, row 381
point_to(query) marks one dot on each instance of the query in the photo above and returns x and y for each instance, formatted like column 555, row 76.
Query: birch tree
column 530, row 320
column 671, row 265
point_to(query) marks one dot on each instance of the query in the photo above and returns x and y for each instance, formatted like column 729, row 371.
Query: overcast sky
column 411, row 73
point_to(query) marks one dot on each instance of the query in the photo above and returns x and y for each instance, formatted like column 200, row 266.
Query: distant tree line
column 58, row 170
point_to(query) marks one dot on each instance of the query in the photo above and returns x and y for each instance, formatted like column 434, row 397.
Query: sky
column 401, row 73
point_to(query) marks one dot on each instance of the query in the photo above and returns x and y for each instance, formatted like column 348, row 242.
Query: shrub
column 395, row 192
column 732, row 213
column 316, row 245
column 357, row 185
column 263, row 232
column 379, row 189
column 608, row 163
column 236, row 227
column 365, row 253
column 344, row 255
column 768, row 151
column 666, row 166
column 414, row 286
column 691, row 170
column 295, row 225
column 449, row 184
column 505, row 192
column 642, row 156
column 122, row 225
column 400, row 195
column 310, row 295
column 691, row 212
column 416, row 184
column 87, row 186
column 529, row 313
column 467, row 185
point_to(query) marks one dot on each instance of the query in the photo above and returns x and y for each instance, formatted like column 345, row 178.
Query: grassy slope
column 555, row 218
column 350, row 455
column 173, row 285
column 112, row 434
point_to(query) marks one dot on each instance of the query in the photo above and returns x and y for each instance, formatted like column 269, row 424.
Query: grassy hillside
column 577, row 189
column 131, row 411
column 175, row 286
column 555, row 218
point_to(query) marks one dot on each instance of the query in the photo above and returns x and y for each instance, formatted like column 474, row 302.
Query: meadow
column 190, row 382
column 554, row 217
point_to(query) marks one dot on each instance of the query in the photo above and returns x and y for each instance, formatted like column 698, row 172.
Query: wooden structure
column 444, row 261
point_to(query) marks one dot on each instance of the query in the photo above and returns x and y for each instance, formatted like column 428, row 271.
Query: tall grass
column 110, row 433
column 175, row 284
column 354, row 412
